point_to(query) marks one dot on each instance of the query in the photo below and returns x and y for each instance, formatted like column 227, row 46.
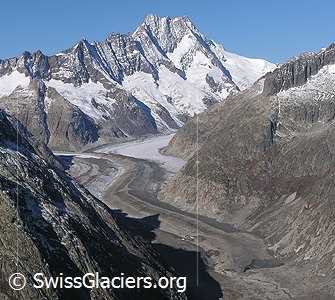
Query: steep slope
column 146, row 82
column 51, row 225
column 266, row 164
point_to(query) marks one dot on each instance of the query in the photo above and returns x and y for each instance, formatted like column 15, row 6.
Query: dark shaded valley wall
column 52, row 225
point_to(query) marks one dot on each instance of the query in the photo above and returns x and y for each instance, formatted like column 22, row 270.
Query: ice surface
column 147, row 149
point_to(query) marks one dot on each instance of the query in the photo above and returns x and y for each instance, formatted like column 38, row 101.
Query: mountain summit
column 144, row 82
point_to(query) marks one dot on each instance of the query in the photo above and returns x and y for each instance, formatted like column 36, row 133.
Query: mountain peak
column 152, row 17
column 158, row 23
column 157, row 18
column 166, row 32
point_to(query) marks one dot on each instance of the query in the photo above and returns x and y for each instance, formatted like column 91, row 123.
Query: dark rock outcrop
column 69, row 127
column 297, row 71
column 27, row 105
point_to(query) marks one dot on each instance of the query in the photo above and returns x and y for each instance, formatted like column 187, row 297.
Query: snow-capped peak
column 166, row 31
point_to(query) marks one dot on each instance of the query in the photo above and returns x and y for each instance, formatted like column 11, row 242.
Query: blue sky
column 274, row 30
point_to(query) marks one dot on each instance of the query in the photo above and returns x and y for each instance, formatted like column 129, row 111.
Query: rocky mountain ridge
column 266, row 161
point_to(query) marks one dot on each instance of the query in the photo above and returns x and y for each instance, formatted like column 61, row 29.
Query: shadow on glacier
column 183, row 262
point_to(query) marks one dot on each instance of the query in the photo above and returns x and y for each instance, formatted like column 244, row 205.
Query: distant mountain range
column 145, row 82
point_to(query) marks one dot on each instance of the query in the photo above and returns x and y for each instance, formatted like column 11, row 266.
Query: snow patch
column 243, row 70
column 84, row 96
column 8, row 83
column 319, row 87
column 202, row 67
column 184, row 46
column 185, row 96
column 176, row 94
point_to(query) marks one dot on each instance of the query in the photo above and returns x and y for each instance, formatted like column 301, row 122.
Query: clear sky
column 274, row 30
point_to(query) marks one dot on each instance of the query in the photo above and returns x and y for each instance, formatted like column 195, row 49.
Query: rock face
column 69, row 127
column 51, row 225
column 266, row 164
column 298, row 71
column 145, row 82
